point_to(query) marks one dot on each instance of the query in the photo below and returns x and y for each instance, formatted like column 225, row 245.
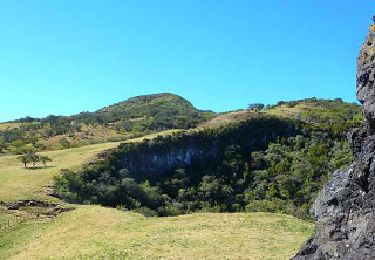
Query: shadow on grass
column 33, row 168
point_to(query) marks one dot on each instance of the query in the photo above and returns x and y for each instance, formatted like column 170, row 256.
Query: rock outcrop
column 345, row 208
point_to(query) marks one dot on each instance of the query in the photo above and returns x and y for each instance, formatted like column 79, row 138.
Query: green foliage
column 150, row 113
column 45, row 160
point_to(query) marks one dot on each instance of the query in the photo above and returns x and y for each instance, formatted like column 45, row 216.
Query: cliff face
column 345, row 208
column 160, row 157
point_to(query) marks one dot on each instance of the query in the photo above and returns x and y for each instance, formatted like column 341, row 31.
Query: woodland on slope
column 275, row 160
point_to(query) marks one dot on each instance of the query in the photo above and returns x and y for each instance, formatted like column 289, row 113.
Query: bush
column 147, row 212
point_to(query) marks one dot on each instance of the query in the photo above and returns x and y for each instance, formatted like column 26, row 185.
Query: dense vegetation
column 134, row 117
column 250, row 170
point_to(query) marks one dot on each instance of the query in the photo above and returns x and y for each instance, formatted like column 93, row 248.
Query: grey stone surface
column 345, row 208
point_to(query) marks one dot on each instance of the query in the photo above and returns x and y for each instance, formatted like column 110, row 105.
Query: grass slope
column 5, row 126
column 308, row 110
column 19, row 183
column 103, row 233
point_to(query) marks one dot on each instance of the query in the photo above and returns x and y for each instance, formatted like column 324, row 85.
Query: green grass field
column 95, row 232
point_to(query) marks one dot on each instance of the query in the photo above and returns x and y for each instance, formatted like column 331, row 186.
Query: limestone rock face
column 345, row 208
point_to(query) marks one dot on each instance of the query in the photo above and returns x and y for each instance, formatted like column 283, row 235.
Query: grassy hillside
column 104, row 233
column 274, row 160
column 19, row 183
column 149, row 112
column 312, row 110
column 98, row 232
column 280, row 176
column 16, row 182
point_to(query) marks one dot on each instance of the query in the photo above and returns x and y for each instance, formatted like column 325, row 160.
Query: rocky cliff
column 164, row 154
column 345, row 208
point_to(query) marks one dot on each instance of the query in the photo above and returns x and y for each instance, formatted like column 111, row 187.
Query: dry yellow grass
column 151, row 136
column 93, row 232
column 5, row 126
column 19, row 183
column 229, row 118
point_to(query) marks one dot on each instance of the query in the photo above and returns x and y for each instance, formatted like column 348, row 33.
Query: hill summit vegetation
column 134, row 117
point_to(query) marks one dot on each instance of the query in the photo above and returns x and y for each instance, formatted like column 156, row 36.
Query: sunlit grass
column 103, row 233
column 5, row 126
column 16, row 182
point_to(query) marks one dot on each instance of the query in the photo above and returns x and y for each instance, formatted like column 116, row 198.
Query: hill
column 152, row 112
column 313, row 110
column 95, row 231
column 310, row 110
column 134, row 117
column 240, row 161
column 271, row 160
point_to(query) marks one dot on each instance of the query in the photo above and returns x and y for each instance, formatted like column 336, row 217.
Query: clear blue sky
column 63, row 57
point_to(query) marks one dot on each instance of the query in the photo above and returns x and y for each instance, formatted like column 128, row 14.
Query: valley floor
column 105, row 233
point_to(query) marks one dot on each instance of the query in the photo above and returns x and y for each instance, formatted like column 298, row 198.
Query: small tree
column 26, row 158
column 45, row 159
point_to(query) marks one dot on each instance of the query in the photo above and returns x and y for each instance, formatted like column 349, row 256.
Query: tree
column 45, row 159
column 26, row 158
column 256, row 106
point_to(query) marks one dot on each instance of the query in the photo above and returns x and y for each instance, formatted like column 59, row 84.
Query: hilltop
column 153, row 112
column 137, row 116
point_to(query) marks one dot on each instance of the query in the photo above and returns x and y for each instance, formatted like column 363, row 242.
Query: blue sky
column 63, row 57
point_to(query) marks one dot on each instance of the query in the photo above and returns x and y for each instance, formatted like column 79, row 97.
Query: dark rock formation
column 345, row 208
